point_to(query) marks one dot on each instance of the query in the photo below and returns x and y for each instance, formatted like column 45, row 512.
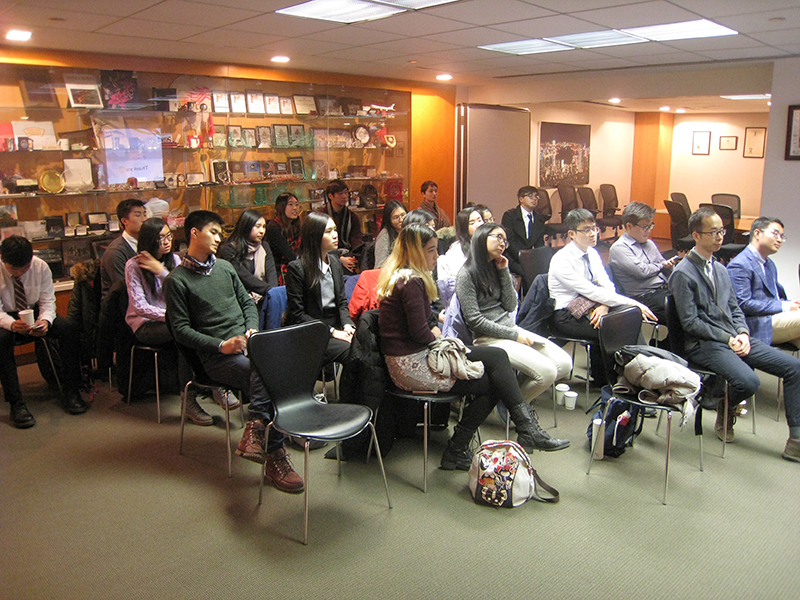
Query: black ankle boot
column 530, row 435
column 457, row 455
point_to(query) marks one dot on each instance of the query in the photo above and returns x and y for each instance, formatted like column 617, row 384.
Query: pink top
column 143, row 305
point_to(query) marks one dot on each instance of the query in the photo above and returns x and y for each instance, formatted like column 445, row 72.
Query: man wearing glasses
column 525, row 229
column 770, row 316
column 639, row 269
column 581, row 288
column 717, row 335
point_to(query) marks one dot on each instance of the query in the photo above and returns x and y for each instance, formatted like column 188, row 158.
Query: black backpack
column 623, row 422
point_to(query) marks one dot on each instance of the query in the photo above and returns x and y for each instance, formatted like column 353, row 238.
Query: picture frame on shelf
column 728, row 142
column 305, row 105
column 267, row 169
column 286, row 105
column 320, row 137
column 328, row 106
column 340, row 138
column 793, row 134
column 281, row 168
column 194, row 178
column 83, row 91
column 36, row 88
column 297, row 135
column 281, row 135
column 169, row 180
column 237, row 170
column 220, row 137
column 296, row 166
column 701, row 143
column 238, row 102
column 165, row 99
column 350, row 106
column 264, row 136
column 96, row 221
column 754, row 142
column 252, row 170
column 221, row 171
column 273, row 104
column 249, row 137
column 255, row 102
column 235, row 136
column 220, row 102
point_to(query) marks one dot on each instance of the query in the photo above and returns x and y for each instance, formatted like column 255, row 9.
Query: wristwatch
column 332, row 330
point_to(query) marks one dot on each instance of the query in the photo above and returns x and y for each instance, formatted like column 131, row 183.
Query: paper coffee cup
column 27, row 316
column 570, row 400
column 598, row 433
column 561, row 389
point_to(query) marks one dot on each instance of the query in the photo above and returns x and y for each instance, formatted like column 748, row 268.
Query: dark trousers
column 69, row 344
column 236, row 371
column 565, row 324
column 655, row 301
column 156, row 334
column 742, row 380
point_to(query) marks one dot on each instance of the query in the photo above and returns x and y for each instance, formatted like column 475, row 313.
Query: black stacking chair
column 288, row 360
column 535, row 261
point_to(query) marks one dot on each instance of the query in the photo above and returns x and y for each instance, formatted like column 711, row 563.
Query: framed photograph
column 754, row 141
column 255, row 102
column 701, row 142
column 728, row 142
column 286, row 105
column 281, row 168
column 281, row 133
column 350, row 106
column 297, row 135
column 264, row 136
column 36, row 88
column 194, row 178
column 83, row 96
column 249, row 137
column 238, row 102
column 165, row 99
column 305, row 105
column 219, row 102
column 234, row 136
column 793, row 134
column 273, row 104
column 328, row 106
column 296, row 166
column 220, row 138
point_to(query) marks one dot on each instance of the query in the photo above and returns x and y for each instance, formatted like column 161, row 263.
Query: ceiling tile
column 762, row 22
column 357, row 36
column 119, row 9
column 634, row 50
column 158, row 30
column 182, row 12
column 570, row 6
column 263, row 6
column 284, row 25
column 31, row 16
column 362, row 53
column 739, row 53
column 637, row 15
column 232, row 39
column 301, row 47
column 668, row 59
column 777, row 38
column 720, row 8
column 483, row 12
column 474, row 36
column 547, row 27
column 716, row 43
column 603, row 63
column 414, row 24
column 411, row 46
column 459, row 54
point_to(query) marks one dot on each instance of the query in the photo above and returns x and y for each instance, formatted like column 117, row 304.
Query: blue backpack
column 623, row 422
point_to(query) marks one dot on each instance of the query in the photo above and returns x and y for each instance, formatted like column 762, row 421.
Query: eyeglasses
column 648, row 228
column 589, row 230
column 165, row 238
column 777, row 234
column 398, row 218
column 499, row 237
column 532, row 196
column 715, row 232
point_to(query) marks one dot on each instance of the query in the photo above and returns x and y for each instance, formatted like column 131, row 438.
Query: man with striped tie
column 27, row 283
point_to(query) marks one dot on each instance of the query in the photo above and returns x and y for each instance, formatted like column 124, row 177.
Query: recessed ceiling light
column 527, row 47
column 444, row 77
column 680, row 110
column 597, row 39
column 280, row 59
column 769, row 103
column 413, row 62
column 340, row 11
column 748, row 97
column 681, row 31
column 664, row 109
column 16, row 35
column 614, row 100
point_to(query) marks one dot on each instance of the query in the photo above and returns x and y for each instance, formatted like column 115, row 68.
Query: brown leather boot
column 280, row 471
column 253, row 441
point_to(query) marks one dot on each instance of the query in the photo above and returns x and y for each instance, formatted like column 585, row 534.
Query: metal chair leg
column 425, row 447
column 130, row 374
column 305, row 493
column 666, row 466
column 52, row 365
column 158, row 390
column 228, row 434
column 380, row 462
column 183, row 412
column 555, row 407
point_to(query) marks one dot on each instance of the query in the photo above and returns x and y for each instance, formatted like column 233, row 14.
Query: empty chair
column 610, row 200
column 590, row 203
column 682, row 239
column 545, row 208
column 731, row 200
column 535, row 261
column 569, row 198
column 681, row 199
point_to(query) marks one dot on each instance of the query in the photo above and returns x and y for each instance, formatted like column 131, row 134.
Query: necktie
column 710, row 274
column 20, row 300
column 588, row 267
column 530, row 226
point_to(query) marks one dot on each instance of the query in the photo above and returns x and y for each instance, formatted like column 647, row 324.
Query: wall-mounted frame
column 793, row 134
column 728, row 142
column 701, row 142
column 754, row 142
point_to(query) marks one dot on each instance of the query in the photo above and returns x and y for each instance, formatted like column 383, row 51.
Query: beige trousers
column 786, row 327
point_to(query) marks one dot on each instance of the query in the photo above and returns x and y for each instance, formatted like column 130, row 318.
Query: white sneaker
column 223, row 397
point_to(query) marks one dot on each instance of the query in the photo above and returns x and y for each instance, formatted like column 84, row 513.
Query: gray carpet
column 102, row 506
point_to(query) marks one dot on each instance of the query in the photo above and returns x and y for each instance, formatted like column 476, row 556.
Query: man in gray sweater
column 210, row 312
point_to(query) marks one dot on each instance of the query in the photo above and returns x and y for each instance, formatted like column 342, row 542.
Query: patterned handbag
column 501, row 475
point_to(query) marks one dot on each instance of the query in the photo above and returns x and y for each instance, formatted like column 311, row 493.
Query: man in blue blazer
column 524, row 228
column 717, row 336
column 770, row 316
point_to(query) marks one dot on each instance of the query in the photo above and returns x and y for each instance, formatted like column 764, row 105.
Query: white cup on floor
column 561, row 389
column 570, row 400
column 27, row 316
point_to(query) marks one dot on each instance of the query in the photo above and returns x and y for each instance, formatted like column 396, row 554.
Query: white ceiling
column 438, row 39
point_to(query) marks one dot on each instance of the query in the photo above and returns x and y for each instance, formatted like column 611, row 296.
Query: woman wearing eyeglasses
column 393, row 214
column 487, row 296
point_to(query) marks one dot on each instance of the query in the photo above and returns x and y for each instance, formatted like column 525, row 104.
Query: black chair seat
column 320, row 421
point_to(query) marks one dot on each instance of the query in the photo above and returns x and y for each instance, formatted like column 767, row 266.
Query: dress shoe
column 21, row 417
column 223, row 397
column 792, row 450
column 74, row 404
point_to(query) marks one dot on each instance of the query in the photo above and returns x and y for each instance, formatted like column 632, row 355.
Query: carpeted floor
column 102, row 506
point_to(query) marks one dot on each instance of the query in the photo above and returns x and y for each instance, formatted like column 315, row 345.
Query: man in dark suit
column 131, row 214
column 524, row 228
column 770, row 316
column 717, row 336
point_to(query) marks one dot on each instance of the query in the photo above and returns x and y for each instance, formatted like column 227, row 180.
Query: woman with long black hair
column 393, row 214
column 467, row 221
column 283, row 233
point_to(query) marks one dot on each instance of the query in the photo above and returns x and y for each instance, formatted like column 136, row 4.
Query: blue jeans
column 739, row 371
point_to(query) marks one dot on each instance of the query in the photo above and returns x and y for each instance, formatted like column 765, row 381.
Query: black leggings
column 498, row 384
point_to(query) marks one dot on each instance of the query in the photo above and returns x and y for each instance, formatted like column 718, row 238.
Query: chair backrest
column 678, row 221
column 681, row 199
column 731, row 200
column 725, row 213
column 677, row 337
column 617, row 329
column 288, row 360
column 543, row 207
column 610, row 199
column 569, row 198
column 588, row 198
column 535, row 261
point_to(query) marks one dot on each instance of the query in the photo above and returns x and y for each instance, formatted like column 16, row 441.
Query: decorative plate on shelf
column 52, row 181
column 361, row 134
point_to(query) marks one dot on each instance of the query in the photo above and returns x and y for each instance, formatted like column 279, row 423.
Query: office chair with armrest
column 731, row 200
column 681, row 199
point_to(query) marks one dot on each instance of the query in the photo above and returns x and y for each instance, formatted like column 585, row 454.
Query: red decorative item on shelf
column 394, row 189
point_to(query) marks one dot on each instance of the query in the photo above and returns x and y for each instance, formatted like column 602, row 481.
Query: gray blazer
column 706, row 313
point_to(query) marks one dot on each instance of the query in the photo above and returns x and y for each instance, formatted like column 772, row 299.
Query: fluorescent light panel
column 413, row 4
column 17, row 35
column 597, row 39
column 340, row 11
column 749, row 97
column 687, row 30
column 527, row 47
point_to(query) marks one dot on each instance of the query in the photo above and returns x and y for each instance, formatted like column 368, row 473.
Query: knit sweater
column 488, row 316
column 404, row 318
column 205, row 310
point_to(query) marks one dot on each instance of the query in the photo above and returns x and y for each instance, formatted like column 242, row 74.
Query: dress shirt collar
column 324, row 267
column 525, row 214
column 132, row 241
column 762, row 261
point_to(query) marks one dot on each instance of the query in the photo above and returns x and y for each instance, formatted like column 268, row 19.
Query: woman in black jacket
column 315, row 285
column 283, row 233
column 250, row 255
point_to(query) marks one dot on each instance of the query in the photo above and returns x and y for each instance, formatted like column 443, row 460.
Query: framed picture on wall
column 728, row 142
column 793, row 134
column 701, row 142
column 754, row 142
